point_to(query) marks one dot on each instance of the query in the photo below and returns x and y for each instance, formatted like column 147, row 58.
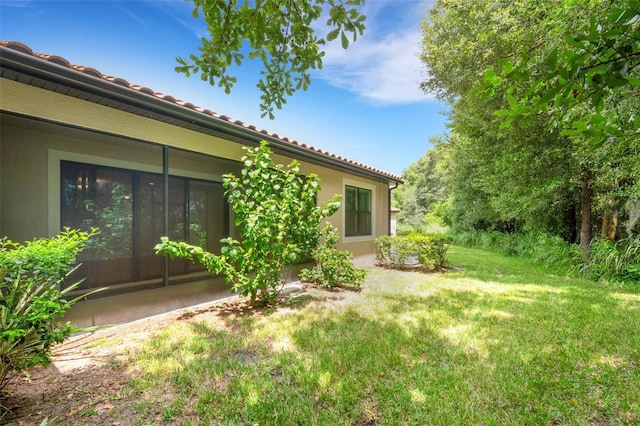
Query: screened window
column 127, row 207
column 357, row 211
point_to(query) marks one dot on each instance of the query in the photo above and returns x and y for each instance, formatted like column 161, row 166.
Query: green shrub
column 32, row 302
column 440, row 212
column 426, row 252
column 333, row 267
column 276, row 210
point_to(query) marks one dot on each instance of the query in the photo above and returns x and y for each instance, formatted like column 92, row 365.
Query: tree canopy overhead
column 281, row 33
column 545, row 127
column 584, row 79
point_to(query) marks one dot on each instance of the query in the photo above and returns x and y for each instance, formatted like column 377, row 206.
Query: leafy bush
column 32, row 302
column 333, row 267
column 427, row 252
column 440, row 212
column 279, row 219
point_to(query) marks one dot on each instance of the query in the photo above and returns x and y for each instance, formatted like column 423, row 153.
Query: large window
column 357, row 211
column 128, row 208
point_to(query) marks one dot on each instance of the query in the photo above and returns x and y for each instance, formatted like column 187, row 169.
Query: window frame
column 360, row 186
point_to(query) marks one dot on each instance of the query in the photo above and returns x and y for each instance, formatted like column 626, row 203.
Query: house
column 81, row 149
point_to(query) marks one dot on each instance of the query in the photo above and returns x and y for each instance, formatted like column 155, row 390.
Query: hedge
column 417, row 251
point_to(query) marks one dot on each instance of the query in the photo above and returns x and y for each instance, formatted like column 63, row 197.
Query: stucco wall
column 30, row 151
column 333, row 182
column 32, row 101
column 24, row 184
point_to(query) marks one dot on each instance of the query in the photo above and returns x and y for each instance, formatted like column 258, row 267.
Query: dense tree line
column 544, row 122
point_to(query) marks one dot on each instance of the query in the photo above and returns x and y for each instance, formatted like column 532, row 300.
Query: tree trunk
column 585, row 213
column 570, row 224
column 613, row 230
column 610, row 227
column 606, row 221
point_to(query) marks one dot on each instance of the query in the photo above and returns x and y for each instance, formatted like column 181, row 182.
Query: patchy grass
column 499, row 342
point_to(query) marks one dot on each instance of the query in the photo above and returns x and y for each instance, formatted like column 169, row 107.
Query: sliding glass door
column 127, row 207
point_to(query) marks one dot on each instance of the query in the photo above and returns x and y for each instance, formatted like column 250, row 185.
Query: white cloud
column 17, row 3
column 383, row 65
column 182, row 11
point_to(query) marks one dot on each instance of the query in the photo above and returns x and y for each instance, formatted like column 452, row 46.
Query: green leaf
column 345, row 40
column 490, row 75
column 597, row 79
column 617, row 82
column 333, row 34
column 552, row 59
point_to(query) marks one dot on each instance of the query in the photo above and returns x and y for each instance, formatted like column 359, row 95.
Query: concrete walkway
column 129, row 307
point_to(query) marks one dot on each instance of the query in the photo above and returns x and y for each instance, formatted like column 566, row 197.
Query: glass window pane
column 364, row 223
column 350, row 201
column 357, row 211
column 150, row 217
column 364, row 200
column 98, row 197
column 150, row 220
column 207, row 215
column 351, row 223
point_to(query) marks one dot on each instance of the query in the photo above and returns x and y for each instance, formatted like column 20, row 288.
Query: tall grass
column 608, row 261
column 431, row 228
column 618, row 260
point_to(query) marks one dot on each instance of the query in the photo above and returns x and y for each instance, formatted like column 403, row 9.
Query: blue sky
column 365, row 104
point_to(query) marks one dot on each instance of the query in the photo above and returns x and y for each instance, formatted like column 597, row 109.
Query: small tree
column 31, row 301
column 276, row 210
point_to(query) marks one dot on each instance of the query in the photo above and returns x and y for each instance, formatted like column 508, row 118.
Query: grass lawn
column 497, row 342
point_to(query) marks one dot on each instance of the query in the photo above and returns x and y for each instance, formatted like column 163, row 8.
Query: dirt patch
column 88, row 381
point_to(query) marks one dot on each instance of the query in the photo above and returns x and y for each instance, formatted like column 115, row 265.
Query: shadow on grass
column 502, row 354
column 245, row 308
column 338, row 369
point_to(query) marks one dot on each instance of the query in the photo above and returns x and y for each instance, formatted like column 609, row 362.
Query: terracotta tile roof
column 141, row 89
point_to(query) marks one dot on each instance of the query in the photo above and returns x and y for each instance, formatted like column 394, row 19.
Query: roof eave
column 158, row 108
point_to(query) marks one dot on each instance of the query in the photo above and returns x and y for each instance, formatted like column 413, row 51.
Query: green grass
column 500, row 341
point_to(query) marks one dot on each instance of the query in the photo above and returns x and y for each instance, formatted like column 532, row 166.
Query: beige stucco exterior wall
column 333, row 182
column 30, row 152
column 32, row 101
column 23, row 172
